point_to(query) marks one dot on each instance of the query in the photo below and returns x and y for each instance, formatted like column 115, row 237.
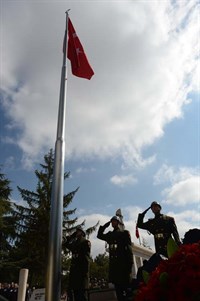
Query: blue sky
column 132, row 131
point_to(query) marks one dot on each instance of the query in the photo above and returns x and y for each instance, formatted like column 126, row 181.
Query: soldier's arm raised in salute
column 101, row 230
column 140, row 221
column 68, row 243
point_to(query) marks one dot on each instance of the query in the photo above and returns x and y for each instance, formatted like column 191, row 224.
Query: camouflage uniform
column 120, row 257
column 79, row 268
column 162, row 227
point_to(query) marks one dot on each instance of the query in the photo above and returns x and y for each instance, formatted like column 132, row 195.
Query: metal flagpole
column 138, row 234
column 53, row 281
column 140, row 241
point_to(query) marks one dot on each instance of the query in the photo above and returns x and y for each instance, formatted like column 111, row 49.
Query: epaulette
column 128, row 232
column 166, row 217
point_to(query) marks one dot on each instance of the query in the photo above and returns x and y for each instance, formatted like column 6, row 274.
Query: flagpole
column 140, row 241
column 53, row 281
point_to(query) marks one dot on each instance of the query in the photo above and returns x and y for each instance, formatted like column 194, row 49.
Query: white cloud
column 183, row 193
column 133, row 157
column 123, row 180
column 85, row 170
column 97, row 246
column 184, row 186
column 144, row 67
column 185, row 220
column 172, row 174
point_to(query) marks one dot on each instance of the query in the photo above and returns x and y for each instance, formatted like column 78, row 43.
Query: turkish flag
column 137, row 232
column 79, row 62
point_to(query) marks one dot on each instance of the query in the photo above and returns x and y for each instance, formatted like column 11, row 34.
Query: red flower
column 177, row 278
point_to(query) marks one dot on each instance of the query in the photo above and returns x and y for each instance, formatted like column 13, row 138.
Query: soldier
column 79, row 268
column 120, row 257
column 161, row 226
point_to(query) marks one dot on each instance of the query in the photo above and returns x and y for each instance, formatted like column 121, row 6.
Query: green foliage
column 7, row 224
column 5, row 190
column 164, row 279
column 99, row 267
column 145, row 276
column 172, row 247
column 31, row 247
column 28, row 226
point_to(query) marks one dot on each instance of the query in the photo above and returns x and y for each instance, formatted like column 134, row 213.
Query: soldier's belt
column 113, row 247
column 74, row 255
column 159, row 235
column 113, row 256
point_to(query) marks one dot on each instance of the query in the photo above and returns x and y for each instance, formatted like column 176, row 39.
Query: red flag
column 79, row 62
column 137, row 232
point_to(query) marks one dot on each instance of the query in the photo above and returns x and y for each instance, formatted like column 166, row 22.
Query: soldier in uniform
column 120, row 257
column 79, row 268
column 161, row 226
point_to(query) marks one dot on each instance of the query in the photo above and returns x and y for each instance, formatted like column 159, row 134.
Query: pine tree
column 99, row 267
column 7, row 222
column 31, row 249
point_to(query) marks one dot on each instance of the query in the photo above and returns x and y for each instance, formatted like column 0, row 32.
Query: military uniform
column 79, row 268
column 120, row 257
column 162, row 227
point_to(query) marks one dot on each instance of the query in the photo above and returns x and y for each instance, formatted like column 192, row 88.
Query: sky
column 132, row 131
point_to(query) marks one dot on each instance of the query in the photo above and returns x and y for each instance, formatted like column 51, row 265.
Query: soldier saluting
column 79, row 268
column 120, row 256
column 161, row 226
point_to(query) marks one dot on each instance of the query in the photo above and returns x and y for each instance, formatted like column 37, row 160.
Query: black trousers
column 122, row 292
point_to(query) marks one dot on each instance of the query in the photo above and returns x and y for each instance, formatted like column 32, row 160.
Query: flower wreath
column 175, row 279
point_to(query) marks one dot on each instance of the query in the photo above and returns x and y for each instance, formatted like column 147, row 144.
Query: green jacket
column 79, row 268
column 120, row 254
column 162, row 227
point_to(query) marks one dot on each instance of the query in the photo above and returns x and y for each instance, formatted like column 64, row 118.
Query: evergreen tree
column 7, row 222
column 31, row 248
column 99, row 267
